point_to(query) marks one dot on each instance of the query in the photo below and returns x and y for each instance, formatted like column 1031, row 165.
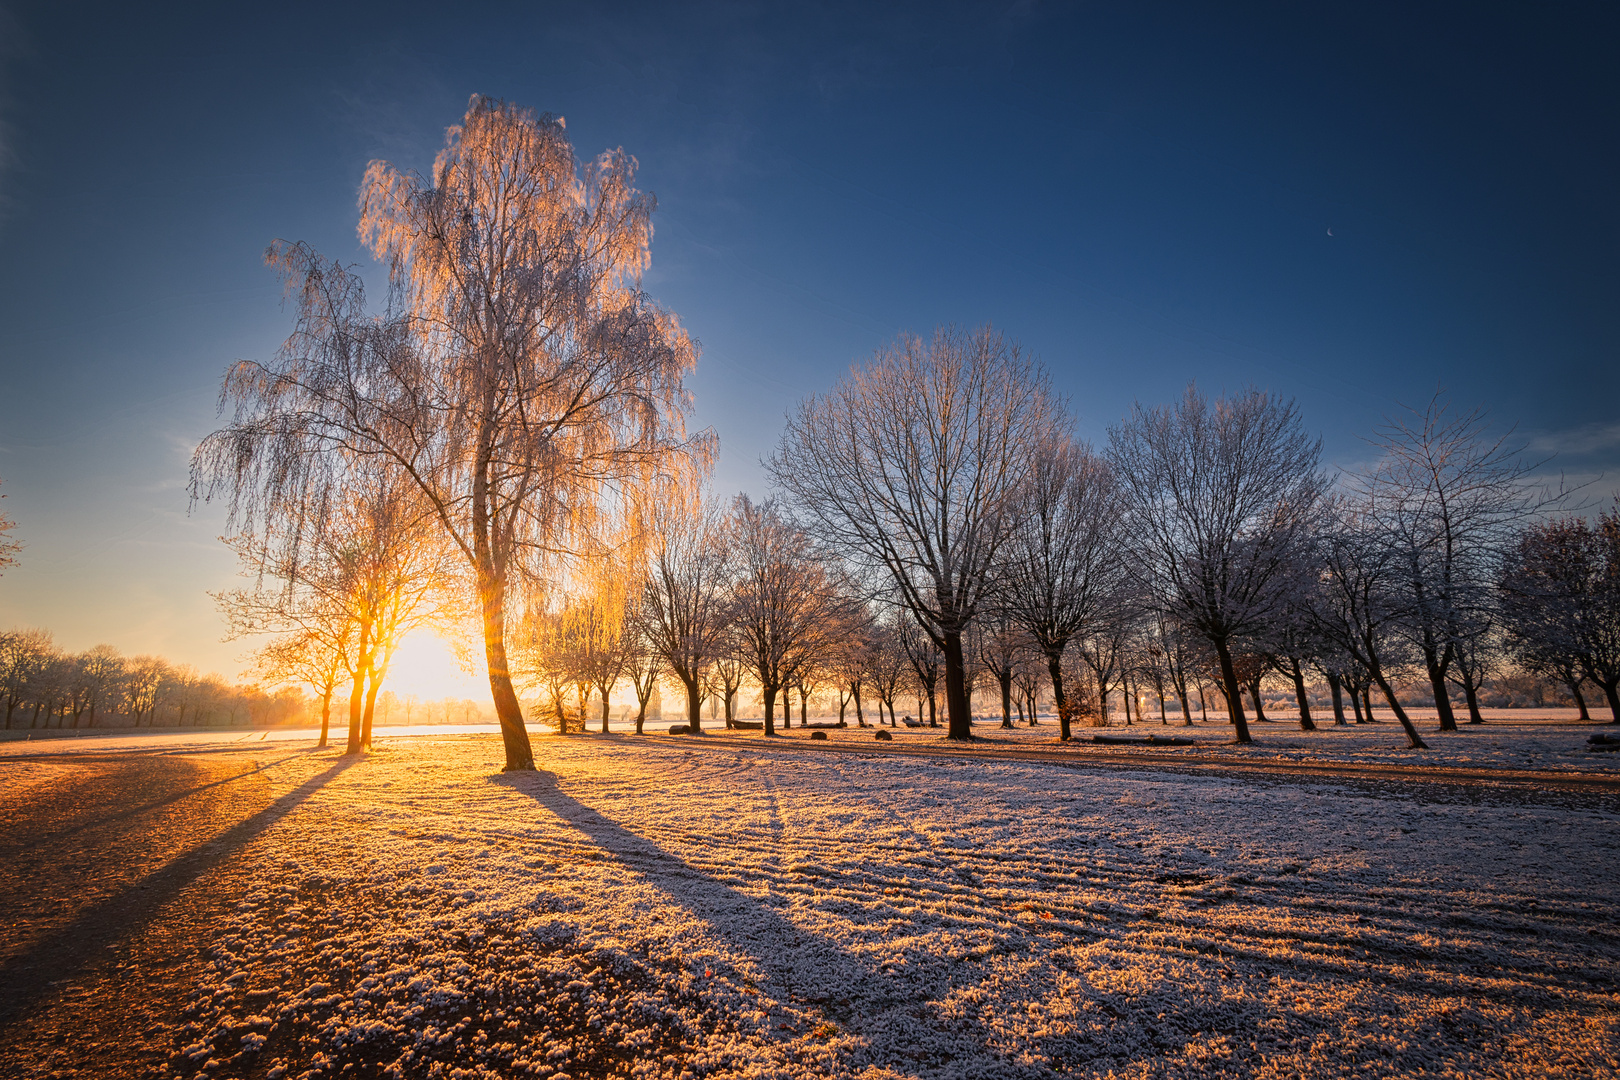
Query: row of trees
column 1203, row 545
column 1206, row 532
column 42, row 686
column 504, row 443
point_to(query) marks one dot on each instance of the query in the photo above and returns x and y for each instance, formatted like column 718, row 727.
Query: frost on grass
column 650, row 910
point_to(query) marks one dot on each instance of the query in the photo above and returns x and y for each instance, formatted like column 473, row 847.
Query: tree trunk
column 1366, row 701
column 514, row 736
column 1234, row 693
column 1442, row 696
column 1335, row 685
column 694, row 705
column 958, row 715
column 1305, row 721
column 326, row 715
column 1126, row 696
column 1580, row 699
column 787, row 708
column 1186, row 710
column 769, row 702
column 376, row 681
column 604, row 694
column 1065, row 711
column 855, row 692
column 358, row 691
column 804, row 708
column 1259, row 704
column 1609, row 692
column 1005, row 678
column 1400, row 713
column 1471, row 695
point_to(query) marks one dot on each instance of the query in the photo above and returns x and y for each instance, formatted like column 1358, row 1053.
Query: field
column 732, row 907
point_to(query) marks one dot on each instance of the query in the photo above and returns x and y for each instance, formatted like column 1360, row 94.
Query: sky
column 1355, row 205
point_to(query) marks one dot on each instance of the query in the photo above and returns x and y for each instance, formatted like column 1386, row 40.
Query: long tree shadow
column 28, row 977
column 801, row 964
column 146, row 807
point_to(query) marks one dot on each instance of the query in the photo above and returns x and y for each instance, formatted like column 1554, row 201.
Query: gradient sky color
column 1352, row 204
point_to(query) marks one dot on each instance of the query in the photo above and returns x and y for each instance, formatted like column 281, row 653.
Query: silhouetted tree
column 1223, row 496
column 1560, row 587
column 912, row 466
column 1446, row 498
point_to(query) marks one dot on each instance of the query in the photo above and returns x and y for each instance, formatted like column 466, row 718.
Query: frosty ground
column 654, row 907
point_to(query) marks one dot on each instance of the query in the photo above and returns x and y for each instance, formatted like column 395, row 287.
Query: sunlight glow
column 425, row 667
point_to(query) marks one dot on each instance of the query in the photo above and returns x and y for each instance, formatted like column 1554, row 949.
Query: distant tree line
column 42, row 686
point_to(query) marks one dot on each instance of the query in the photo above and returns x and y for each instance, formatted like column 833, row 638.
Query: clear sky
column 1352, row 204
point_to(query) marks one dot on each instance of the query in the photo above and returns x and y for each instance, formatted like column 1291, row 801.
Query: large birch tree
column 521, row 379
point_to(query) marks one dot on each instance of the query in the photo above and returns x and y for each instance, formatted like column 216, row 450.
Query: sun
column 425, row 667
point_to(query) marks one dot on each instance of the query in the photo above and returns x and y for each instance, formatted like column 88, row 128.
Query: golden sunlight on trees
column 364, row 567
column 522, row 382
column 785, row 610
column 684, row 612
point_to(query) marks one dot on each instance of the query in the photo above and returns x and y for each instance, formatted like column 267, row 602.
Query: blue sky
column 1352, row 204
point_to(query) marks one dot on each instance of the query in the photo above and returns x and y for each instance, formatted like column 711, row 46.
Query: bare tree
column 785, row 606
column 360, row 571
column 143, row 687
column 851, row 654
column 312, row 657
column 1001, row 645
column 1172, row 653
column 526, row 381
column 1027, row 678
column 642, row 662
column 1359, row 605
column 913, row 465
column 1222, row 497
column 545, row 661
column 684, row 604
column 1561, row 599
column 602, row 635
column 1447, row 498
column 9, row 546
column 24, row 657
column 101, row 669
column 887, row 663
column 1064, row 566
column 1106, row 651
column 923, row 654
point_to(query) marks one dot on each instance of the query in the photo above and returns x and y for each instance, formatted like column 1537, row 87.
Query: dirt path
column 112, row 871
column 1193, row 761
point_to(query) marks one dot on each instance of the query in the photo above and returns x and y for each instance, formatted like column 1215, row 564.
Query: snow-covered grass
column 1507, row 740
column 1500, row 743
column 648, row 908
